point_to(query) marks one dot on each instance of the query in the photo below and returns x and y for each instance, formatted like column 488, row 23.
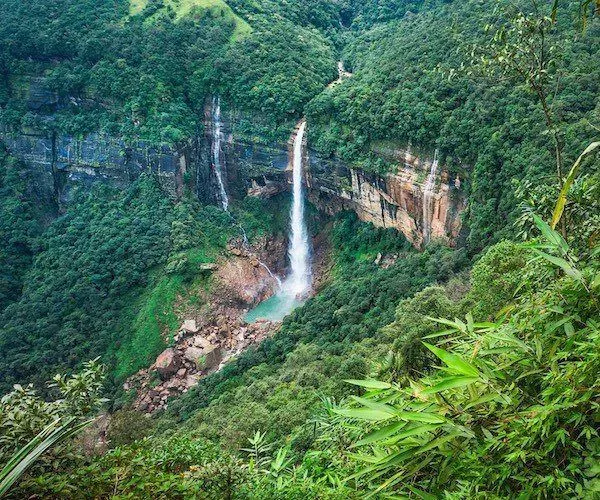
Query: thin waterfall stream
column 428, row 198
column 218, row 169
column 216, row 151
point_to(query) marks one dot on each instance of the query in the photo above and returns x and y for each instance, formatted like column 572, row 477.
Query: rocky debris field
column 197, row 352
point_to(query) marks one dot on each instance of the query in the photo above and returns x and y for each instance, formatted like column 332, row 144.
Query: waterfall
column 297, row 284
column 272, row 274
column 216, row 156
column 216, row 151
column 428, row 198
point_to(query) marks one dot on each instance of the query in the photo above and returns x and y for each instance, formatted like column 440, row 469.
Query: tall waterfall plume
column 297, row 284
column 216, row 151
column 428, row 198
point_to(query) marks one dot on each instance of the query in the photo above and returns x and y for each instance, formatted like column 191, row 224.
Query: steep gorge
column 408, row 198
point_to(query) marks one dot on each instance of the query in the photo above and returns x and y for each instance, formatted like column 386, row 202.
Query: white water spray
column 216, row 151
column 428, row 193
column 297, row 284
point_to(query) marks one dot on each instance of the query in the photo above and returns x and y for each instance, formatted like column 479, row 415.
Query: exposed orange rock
column 395, row 199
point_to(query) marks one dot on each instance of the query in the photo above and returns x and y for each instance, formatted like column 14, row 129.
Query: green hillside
column 465, row 367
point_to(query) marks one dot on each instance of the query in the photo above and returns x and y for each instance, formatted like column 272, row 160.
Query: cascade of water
column 297, row 284
column 216, row 154
column 272, row 274
column 216, row 151
column 428, row 194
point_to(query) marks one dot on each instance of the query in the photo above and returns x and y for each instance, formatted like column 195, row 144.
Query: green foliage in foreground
column 51, row 436
column 513, row 409
column 31, row 426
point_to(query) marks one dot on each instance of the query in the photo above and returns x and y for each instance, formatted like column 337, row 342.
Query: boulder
column 212, row 357
column 194, row 354
column 167, row 363
column 201, row 342
column 189, row 326
column 190, row 381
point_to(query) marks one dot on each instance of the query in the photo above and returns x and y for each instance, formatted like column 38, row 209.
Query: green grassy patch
column 218, row 8
column 156, row 319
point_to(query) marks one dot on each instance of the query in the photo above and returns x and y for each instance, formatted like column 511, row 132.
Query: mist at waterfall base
column 294, row 289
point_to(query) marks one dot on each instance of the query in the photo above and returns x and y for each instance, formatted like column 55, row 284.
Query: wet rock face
column 60, row 163
column 248, row 167
column 395, row 200
column 243, row 280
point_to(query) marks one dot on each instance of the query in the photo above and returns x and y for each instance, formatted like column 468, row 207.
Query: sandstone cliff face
column 401, row 199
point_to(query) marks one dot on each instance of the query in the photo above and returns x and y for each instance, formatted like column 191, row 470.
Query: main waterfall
column 216, row 151
column 297, row 284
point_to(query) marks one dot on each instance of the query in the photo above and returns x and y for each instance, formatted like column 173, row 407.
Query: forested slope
column 418, row 81
column 467, row 372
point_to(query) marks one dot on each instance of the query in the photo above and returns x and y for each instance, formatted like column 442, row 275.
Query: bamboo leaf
column 422, row 494
column 370, row 459
column 364, row 414
column 562, row 263
column 380, row 434
column 454, row 362
column 562, row 197
column 374, row 405
column 554, row 11
column 413, row 431
column 370, row 384
column 421, row 416
column 454, row 324
column 449, row 383
column 483, row 399
column 552, row 237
